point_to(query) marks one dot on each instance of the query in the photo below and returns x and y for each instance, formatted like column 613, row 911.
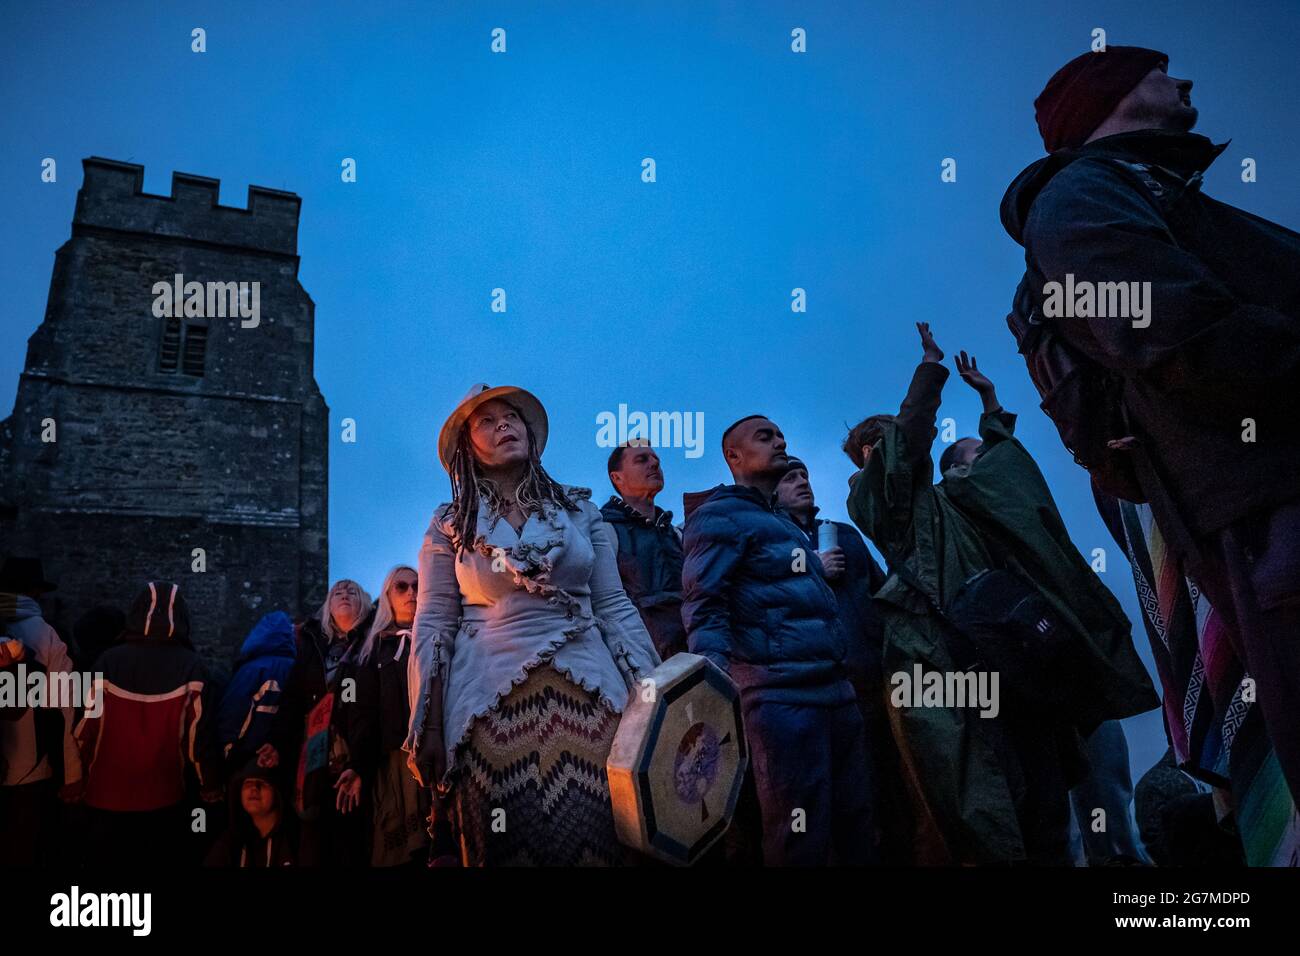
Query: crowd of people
column 466, row 715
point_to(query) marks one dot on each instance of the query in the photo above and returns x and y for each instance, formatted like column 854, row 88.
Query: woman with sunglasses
column 401, row 805
column 526, row 647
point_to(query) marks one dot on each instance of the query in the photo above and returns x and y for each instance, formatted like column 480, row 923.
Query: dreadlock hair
column 866, row 432
column 535, row 491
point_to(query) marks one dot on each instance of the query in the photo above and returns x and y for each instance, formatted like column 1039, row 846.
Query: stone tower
column 149, row 425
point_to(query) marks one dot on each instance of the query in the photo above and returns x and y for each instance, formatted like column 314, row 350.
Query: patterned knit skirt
column 531, row 788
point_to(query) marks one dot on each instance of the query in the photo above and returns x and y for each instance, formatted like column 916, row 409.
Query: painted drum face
column 678, row 760
column 696, row 766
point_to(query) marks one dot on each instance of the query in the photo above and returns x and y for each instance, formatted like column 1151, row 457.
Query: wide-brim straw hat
column 529, row 407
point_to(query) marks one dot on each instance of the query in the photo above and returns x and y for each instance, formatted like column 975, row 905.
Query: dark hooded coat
column 153, row 719
column 242, row 844
column 935, row 538
column 1222, row 347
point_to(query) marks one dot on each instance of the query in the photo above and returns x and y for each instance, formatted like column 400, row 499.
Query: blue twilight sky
column 523, row 171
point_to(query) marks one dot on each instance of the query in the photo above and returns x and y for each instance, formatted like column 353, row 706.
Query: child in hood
column 261, row 832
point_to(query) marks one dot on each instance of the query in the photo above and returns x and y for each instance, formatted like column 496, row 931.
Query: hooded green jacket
column 997, row 512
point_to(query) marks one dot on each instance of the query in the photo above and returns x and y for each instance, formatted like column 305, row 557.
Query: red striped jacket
column 149, row 716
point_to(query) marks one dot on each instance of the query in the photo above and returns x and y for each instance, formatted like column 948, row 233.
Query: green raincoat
column 998, row 512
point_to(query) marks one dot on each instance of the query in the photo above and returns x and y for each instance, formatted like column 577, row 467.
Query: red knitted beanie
column 1079, row 97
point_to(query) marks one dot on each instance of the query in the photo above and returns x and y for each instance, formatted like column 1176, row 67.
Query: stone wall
column 149, row 464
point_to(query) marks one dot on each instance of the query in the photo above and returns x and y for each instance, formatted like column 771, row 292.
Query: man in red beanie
column 1182, row 316
column 1097, row 94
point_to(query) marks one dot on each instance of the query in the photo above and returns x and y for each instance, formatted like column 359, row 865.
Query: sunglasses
column 401, row 587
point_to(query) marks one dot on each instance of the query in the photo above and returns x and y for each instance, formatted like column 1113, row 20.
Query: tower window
column 184, row 346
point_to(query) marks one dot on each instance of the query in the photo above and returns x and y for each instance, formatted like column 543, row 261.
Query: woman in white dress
column 526, row 647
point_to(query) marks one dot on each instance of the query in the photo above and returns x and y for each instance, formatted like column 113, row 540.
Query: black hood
column 1185, row 153
column 158, row 613
column 238, row 815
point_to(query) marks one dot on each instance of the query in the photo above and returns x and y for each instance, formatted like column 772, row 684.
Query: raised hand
column 971, row 374
column 983, row 385
column 931, row 350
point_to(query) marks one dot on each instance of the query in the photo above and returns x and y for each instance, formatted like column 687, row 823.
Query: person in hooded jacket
column 321, row 733
column 252, row 698
column 263, row 831
column 38, row 755
column 757, row 605
column 147, row 724
column 400, row 804
column 25, row 821
column 990, row 784
column 1206, row 370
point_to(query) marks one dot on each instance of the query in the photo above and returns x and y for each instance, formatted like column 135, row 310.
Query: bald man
column 757, row 604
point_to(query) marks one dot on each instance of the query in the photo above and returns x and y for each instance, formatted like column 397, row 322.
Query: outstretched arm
column 996, row 423
column 917, row 414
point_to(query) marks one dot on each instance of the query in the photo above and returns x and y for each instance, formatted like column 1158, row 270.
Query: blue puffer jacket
column 252, row 697
column 756, row 602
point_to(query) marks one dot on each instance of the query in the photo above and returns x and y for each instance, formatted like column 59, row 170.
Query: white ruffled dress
column 550, row 593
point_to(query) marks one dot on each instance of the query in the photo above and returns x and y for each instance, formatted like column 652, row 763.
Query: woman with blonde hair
column 323, row 736
column 401, row 805
column 525, row 647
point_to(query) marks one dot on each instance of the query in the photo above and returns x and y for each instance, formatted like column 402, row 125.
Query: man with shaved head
column 757, row 604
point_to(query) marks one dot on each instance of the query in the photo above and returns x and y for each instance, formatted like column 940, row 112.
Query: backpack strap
column 1167, row 199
